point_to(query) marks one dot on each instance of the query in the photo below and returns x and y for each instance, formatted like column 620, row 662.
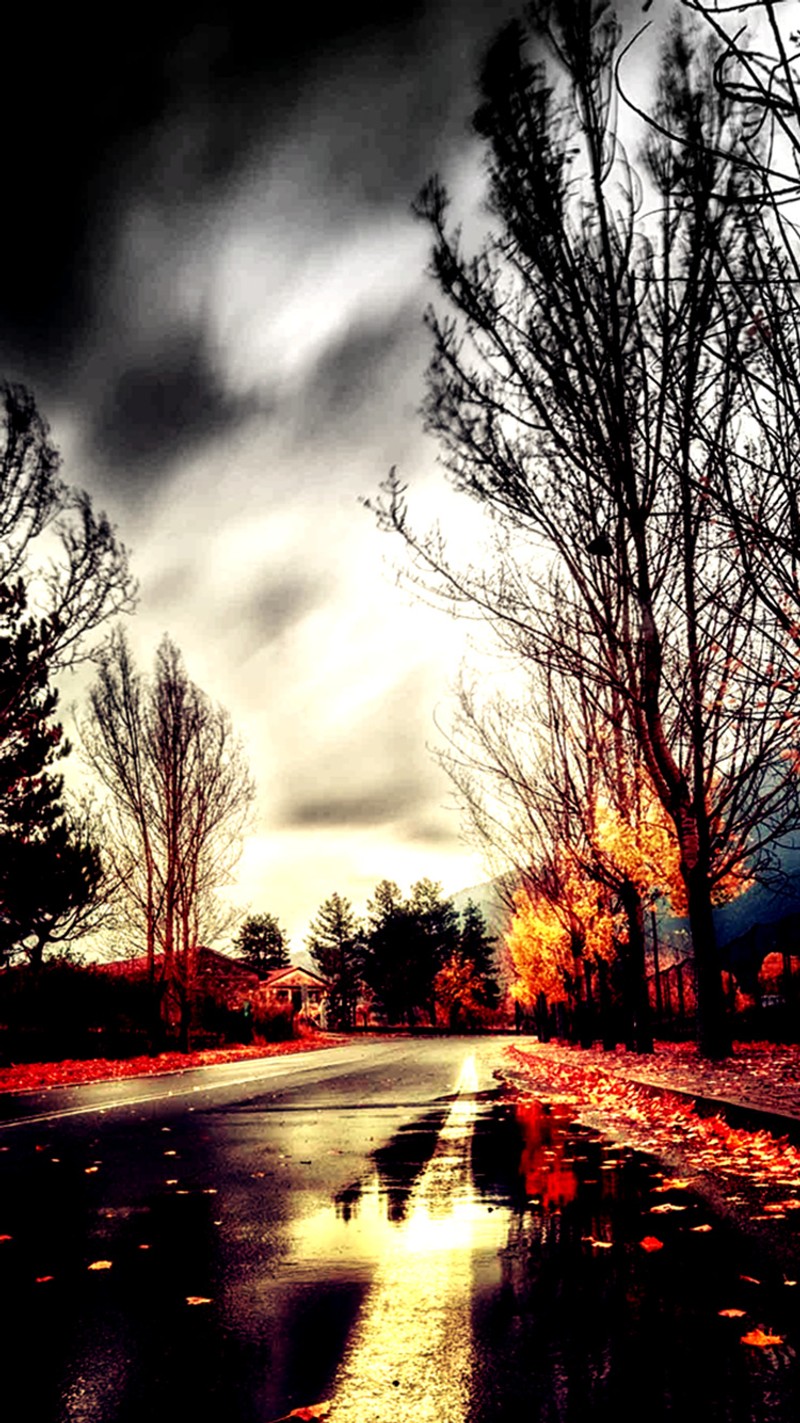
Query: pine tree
column 262, row 944
column 335, row 942
column 49, row 873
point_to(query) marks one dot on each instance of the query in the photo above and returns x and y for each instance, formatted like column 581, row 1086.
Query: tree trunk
column 713, row 1028
column 608, row 1027
column 638, row 1025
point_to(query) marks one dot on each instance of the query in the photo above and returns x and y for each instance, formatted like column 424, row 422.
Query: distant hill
column 301, row 958
column 488, row 900
column 746, row 919
column 760, row 905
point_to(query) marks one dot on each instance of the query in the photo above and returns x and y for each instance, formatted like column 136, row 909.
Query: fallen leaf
column 667, row 1206
column 144, row 1247
column 698, row 1229
column 651, row 1242
column 197, row 1299
column 6, row 1237
column 748, row 1279
column 311, row 1411
column 760, row 1340
column 731, row 1313
column 42, row 1279
column 99, row 1265
column 89, row 1169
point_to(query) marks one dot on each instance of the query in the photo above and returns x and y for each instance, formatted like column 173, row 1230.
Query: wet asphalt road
column 372, row 1227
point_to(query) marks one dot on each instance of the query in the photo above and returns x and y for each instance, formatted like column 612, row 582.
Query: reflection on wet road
column 411, row 1353
column 530, row 1269
column 375, row 1241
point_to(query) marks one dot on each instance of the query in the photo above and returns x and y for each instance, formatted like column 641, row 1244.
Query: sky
column 214, row 286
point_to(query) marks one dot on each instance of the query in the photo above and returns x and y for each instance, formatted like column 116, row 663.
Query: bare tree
column 583, row 384
column 180, row 796
column 78, row 575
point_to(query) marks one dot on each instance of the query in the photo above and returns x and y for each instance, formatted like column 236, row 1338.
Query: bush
column 273, row 1025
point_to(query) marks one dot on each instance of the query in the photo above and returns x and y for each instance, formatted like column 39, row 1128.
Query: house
column 296, row 990
column 232, row 986
column 217, row 975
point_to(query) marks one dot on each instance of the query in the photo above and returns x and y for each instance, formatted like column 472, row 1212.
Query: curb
column 745, row 1116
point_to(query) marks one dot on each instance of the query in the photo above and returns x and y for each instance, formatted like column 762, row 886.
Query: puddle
column 520, row 1266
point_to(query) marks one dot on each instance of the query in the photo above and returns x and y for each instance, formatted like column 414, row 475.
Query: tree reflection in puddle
column 612, row 1285
column 521, row 1266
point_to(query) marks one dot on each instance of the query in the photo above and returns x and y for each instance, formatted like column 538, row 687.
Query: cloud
column 367, row 362
column 167, row 401
column 379, row 806
column 364, row 760
column 272, row 609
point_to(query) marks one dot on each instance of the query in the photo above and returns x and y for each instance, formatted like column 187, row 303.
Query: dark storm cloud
column 356, row 810
column 168, row 401
column 178, row 99
column 366, row 370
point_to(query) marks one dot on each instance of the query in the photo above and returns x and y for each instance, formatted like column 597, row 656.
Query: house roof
column 211, row 966
column 294, row 977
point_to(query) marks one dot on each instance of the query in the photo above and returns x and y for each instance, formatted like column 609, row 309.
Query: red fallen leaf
column 731, row 1313
column 760, row 1340
column 197, row 1299
column 6, row 1237
column 651, row 1242
column 748, row 1279
column 311, row 1411
column 42, row 1279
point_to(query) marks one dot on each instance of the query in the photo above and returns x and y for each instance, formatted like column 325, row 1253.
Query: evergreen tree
column 262, row 944
column 476, row 946
column 49, row 873
column 408, row 942
column 335, row 942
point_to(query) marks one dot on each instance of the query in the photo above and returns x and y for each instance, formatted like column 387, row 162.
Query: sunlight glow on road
column 411, row 1355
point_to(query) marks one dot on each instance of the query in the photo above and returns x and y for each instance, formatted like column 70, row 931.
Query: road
column 372, row 1227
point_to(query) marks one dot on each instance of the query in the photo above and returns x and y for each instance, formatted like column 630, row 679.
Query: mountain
column 487, row 898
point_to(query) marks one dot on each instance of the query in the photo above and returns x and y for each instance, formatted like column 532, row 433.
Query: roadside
column 750, row 1177
column 35, row 1076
